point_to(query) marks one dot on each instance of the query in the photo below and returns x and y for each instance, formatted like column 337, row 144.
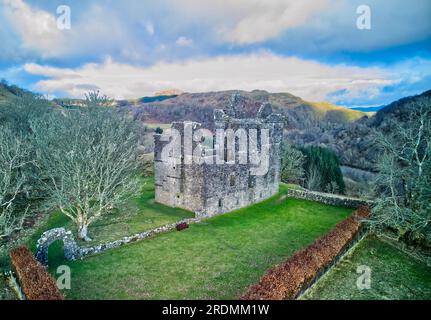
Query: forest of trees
column 316, row 168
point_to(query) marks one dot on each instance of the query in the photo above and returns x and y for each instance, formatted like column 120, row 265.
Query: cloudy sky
column 133, row 48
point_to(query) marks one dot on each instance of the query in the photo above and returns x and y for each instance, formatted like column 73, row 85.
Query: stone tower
column 209, row 182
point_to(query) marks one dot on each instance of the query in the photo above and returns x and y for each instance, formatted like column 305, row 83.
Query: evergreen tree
column 324, row 163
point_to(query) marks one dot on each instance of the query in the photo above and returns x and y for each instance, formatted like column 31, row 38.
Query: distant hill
column 348, row 132
column 199, row 107
column 353, row 142
column 69, row 102
column 349, row 115
column 168, row 92
column 399, row 109
column 368, row 109
column 156, row 98
column 8, row 92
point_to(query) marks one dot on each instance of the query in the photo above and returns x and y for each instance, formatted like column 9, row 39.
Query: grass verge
column 394, row 275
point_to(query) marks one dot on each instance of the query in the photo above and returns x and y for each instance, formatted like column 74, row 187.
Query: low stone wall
column 134, row 238
column 328, row 198
column 73, row 252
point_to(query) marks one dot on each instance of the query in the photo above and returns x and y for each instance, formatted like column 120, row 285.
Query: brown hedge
column 36, row 282
column 286, row 280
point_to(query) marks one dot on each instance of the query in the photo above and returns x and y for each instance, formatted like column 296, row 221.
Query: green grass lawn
column 394, row 275
column 216, row 259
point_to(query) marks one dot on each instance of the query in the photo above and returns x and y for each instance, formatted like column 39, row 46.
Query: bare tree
column 96, row 99
column 314, row 179
column 14, row 157
column 89, row 161
column 404, row 179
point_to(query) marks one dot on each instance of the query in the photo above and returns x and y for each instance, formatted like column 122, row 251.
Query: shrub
column 36, row 282
column 159, row 130
column 286, row 280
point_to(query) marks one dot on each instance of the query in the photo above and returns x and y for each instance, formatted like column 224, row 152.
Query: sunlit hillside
column 351, row 115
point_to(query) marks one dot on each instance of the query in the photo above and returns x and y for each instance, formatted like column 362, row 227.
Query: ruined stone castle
column 212, row 175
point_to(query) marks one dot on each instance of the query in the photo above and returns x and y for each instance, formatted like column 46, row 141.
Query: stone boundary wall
column 328, row 198
column 139, row 236
column 136, row 237
column 74, row 252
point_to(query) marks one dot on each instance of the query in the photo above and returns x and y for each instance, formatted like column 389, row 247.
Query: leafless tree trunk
column 89, row 160
column 13, row 160
column 403, row 182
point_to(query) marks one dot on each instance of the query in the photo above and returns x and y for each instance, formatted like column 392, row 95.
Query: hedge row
column 36, row 282
column 288, row 279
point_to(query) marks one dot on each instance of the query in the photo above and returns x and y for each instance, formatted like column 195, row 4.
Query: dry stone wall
column 327, row 198
column 71, row 250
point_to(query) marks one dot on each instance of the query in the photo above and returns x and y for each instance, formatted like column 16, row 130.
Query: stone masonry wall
column 327, row 198
column 210, row 189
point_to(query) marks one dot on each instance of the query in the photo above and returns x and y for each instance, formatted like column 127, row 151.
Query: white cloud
column 126, row 29
column 316, row 26
column 37, row 28
column 184, row 42
column 251, row 21
column 308, row 79
column 269, row 20
column 97, row 29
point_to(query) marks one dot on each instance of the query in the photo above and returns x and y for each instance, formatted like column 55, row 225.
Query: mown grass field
column 394, row 275
column 216, row 259
column 221, row 257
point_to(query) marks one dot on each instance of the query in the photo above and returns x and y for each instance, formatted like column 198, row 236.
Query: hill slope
column 353, row 142
column 199, row 107
column 327, row 109
column 9, row 92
